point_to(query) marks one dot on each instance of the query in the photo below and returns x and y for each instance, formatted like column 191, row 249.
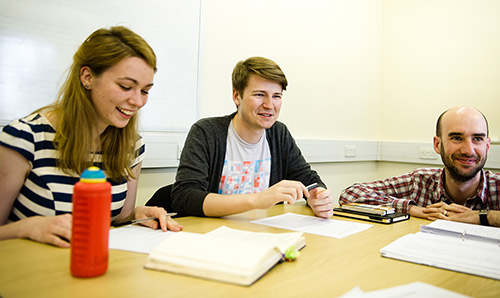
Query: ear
column 236, row 98
column 86, row 77
column 437, row 145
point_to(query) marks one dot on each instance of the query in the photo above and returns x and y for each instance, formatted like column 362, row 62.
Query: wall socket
column 427, row 153
column 350, row 151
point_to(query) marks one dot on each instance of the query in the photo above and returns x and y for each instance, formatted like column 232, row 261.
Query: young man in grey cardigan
column 246, row 160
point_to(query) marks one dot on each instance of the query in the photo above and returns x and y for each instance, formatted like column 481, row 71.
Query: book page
column 220, row 255
column 280, row 240
column 314, row 225
column 202, row 252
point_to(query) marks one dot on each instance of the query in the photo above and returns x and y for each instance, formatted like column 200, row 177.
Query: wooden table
column 327, row 267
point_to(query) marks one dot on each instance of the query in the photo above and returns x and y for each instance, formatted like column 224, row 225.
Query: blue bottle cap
column 93, row 175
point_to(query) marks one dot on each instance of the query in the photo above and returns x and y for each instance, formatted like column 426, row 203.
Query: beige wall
column 152, row 179
column 329, row 50
column 357, row 70
column 438, row 54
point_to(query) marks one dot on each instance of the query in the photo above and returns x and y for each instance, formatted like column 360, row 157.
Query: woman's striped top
column 47, row 190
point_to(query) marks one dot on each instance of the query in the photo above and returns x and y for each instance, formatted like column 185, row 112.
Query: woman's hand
column 55, row 230
column 166, row 222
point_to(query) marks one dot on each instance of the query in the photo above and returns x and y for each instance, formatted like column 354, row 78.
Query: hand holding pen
column 143, row 220
column 286, row 191
column 320, row 201
column 154, row 217
column 312, row 186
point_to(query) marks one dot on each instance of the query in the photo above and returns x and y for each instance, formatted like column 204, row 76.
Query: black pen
column 312, row 186
column 142, row 220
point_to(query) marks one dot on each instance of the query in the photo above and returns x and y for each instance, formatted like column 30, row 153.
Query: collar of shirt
column 442, row 194
column 482, row 190
column 481, row 194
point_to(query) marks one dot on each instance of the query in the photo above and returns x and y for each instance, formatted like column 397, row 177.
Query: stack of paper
column 450, row 245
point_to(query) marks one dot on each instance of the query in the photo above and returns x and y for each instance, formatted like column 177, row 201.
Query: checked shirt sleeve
column 398, row 192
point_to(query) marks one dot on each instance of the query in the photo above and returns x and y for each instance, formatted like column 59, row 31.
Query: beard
column 457, row 174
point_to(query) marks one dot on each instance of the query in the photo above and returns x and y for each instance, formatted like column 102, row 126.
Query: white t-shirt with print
column 247, row 167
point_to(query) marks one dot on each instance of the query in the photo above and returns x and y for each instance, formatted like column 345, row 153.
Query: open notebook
column 225, row 254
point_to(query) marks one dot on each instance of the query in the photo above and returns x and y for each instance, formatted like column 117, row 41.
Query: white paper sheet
column 469, row 256
column 136, row 238
column 411, row 290
column 314, row 225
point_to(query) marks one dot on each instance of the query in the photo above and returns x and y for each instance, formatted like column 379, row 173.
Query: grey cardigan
column 202, row 160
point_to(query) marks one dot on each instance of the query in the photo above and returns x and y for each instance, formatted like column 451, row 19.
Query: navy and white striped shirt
column 47, row 190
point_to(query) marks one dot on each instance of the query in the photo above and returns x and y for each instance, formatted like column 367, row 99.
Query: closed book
column 367, row 208
column 225, row 254
column 385, row 219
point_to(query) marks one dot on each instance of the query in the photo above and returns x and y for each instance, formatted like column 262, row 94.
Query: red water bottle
column 91, row 223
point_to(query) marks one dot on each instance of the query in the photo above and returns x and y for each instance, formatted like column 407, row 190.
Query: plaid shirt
column 421, row 187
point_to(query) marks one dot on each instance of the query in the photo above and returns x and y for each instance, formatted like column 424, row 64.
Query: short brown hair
column 260, row 66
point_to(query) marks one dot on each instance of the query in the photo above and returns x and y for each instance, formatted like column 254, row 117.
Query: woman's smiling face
column 120, row 91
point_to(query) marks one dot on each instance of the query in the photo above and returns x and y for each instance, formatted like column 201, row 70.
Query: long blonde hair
column 76, row 114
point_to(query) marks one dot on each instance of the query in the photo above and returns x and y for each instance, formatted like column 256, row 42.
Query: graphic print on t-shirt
column 245, row 177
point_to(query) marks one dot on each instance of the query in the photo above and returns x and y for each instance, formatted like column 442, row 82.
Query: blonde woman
column 93, row 122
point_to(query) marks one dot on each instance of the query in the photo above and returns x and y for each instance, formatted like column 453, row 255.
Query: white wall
column 330, row 52
column 357, row 70
column 438, row 54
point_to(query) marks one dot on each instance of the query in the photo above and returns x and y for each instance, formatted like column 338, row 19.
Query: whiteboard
column 38, row 40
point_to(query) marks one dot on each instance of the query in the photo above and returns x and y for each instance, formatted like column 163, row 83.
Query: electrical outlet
column 350, row 151
column 427, row 153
